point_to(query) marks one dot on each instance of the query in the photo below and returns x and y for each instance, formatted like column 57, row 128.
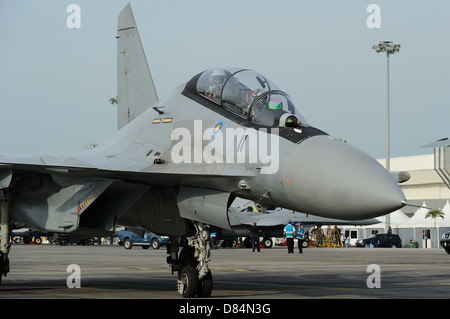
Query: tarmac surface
column 112, row 272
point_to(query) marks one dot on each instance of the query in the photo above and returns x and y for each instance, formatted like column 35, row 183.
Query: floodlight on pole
column 390, row 48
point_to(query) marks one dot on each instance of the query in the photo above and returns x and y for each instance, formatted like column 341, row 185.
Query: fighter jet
column 176, row 164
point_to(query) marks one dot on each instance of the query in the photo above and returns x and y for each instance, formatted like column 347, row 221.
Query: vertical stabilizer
column 135, row 88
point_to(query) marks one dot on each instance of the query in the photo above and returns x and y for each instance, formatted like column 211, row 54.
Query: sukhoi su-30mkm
column 176, row 164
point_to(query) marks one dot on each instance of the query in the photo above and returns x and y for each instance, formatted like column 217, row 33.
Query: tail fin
column 135, row 88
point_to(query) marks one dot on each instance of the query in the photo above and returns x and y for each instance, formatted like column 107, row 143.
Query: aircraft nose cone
column 334, row 179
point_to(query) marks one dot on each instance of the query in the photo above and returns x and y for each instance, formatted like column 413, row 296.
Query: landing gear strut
column 194, row 276
column 5, row 244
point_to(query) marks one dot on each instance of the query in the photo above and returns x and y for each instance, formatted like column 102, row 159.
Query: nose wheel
column 205, row 286
column 189, row 285
column 188, row 282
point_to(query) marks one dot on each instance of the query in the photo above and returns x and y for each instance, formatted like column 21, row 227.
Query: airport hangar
column 429, row 185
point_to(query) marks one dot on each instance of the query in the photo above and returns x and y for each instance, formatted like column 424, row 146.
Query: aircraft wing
column 120, row 166
column 91, row 191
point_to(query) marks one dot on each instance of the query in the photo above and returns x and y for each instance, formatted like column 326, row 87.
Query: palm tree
column 435, row 214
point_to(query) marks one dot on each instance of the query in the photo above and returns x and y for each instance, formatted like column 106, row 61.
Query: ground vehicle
column 283, row 242
column 65, row 239
column 445, row 241
column 380, row 240
column 128, row 239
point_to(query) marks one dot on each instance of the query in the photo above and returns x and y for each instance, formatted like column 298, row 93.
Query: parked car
column 128, row 239
column 445, row 241
column 380, row 240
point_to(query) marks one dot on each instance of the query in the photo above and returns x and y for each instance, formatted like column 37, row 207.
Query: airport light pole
column 390, row 48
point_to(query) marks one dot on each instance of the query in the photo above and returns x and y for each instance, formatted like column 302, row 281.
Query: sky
column 55, row 81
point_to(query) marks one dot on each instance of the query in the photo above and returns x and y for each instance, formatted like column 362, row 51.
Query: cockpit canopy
column 249, row 95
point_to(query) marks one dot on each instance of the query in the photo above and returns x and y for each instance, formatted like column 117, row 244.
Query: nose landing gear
column 194, row 275
column 5, row 244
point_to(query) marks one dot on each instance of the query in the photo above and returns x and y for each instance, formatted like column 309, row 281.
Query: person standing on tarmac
column 255, row 231
column 300, row 237
column 289, row 234
column 213, row 243
column 389, row 237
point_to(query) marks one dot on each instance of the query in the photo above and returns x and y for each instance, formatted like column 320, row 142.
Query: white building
column 424, row 185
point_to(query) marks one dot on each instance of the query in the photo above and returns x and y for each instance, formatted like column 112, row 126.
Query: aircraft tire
column 205, row 286
column 188, row 277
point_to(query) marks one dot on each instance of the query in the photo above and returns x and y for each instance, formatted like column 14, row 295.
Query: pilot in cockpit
column 248, row 97
column 251, row 96
column 216, row 81
column 268, row 110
